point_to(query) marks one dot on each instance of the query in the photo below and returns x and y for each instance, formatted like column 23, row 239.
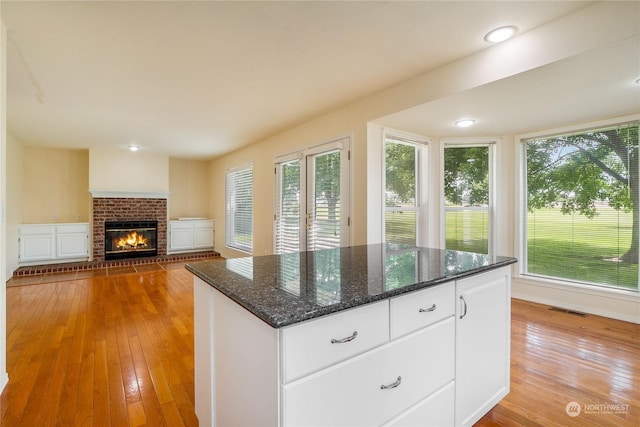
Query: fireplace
column 130, row 239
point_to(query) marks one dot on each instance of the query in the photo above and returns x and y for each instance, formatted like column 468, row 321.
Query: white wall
column 123, row 170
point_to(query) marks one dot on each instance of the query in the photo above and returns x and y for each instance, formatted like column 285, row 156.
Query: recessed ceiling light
column 500, row 34
column 638, row 82
column 133, row 148
column 465, row 123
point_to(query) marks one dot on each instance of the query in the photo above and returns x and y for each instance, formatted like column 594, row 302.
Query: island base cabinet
column 483, row 329
column 373, row 388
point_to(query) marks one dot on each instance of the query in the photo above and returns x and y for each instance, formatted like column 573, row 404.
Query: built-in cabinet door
column 181, row 236
column 37, row 244
column 482, row 343
column 203, row 235
column 73, row 245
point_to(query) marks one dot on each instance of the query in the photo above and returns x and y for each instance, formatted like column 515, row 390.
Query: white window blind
column 583, row 206
column 468, row 197
column 239, row 209
column 402, row 207
column 288, row 207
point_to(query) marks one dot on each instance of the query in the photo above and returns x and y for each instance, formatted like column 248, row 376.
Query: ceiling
column 200, row 79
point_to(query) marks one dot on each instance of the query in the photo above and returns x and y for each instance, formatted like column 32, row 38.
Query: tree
column 400, row 170
column 576, row 171
column 466, row 176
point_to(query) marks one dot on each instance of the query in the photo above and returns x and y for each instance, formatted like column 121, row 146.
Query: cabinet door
column 72, row 245
column 483, row 317
column 181, row 236
column 37, row 247
column 202, row 237
column 37, row 242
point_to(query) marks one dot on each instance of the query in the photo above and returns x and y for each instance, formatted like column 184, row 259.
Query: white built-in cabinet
column 190, row 235
column 437, row 356
column 48, row 243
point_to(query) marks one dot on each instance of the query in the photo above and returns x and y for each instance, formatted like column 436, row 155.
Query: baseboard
column 4, row 380
column 615, row 305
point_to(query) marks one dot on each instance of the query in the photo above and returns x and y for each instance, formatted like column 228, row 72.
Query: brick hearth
column 128, row 209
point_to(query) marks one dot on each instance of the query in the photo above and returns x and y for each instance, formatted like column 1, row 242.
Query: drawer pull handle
column 394, row 384
column 344, row 340
column 427, row 310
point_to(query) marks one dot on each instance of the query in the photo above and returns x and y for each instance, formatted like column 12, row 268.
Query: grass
column 570, row 247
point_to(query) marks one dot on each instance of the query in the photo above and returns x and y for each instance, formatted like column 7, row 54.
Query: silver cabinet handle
column 427, row 310
column 394, row 384
column 464, row 312
column 347, row 339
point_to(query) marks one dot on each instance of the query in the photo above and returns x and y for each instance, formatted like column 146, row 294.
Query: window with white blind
column 239, row 208
column 403, row 207
column 582, row 198
column 468, row 194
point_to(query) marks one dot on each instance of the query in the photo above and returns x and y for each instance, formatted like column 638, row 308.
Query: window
column 239, row 209
column 582, row 206
column 468, row 197
column 402, row 214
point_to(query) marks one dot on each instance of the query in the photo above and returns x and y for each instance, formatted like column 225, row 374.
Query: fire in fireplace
column 130, row 239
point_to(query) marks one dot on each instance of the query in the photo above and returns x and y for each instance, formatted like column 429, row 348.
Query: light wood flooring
column 117, row 350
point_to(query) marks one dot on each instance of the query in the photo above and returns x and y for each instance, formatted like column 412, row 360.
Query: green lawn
column 570, row 247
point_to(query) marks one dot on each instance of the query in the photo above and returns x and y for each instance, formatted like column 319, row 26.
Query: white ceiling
column 200, row 79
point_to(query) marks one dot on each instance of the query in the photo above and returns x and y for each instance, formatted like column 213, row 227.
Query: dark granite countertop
column 286, row 289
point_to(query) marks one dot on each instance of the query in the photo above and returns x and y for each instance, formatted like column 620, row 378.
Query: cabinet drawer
column 437, row 410
column 418, row 309
column 308, row 347
column 350, row 393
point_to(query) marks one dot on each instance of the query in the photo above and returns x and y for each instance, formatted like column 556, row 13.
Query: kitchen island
column 363, row 335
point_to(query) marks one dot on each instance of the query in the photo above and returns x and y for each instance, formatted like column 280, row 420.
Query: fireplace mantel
column 109, row 194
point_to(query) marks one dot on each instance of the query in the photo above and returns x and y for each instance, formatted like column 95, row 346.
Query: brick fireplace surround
column 128, row 209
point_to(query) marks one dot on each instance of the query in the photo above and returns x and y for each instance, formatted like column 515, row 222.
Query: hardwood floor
column 117, row 350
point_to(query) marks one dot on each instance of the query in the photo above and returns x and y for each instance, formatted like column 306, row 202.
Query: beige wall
column 189, row 188
column 497, row 62
column 123, row 170
column 55, row 185
column 15, row 164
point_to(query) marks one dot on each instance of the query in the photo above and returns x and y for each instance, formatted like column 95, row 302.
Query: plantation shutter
column 239, row 209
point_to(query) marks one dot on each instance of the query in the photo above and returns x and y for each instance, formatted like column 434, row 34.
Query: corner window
column 581, row 221
column 468, row 197
column 239, row 209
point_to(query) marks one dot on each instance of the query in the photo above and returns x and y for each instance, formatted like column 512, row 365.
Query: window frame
column 520, row 217
column 231, row 240
column 491, row 208
column 422, row 185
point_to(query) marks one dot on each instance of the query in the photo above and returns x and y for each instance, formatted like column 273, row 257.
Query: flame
column 132, row 240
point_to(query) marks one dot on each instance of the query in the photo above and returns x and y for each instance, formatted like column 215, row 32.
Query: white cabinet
column 483, row 328
column 37, row 242
column 47, row 243
column 434, row 357
column 190, row 235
